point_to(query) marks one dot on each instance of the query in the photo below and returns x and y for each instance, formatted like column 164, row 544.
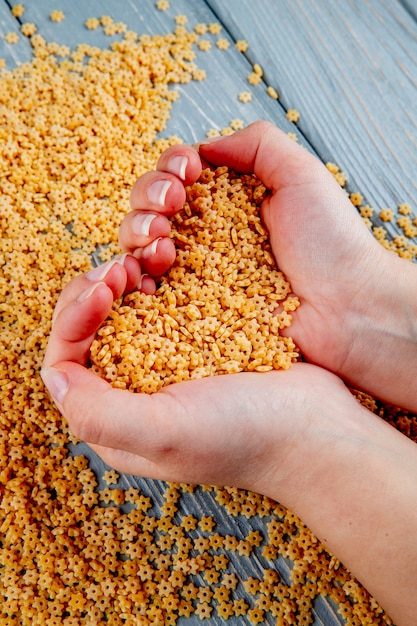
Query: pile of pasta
column 219, row 309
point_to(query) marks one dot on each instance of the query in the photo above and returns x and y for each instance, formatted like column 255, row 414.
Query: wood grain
column 350, row 69
column 15, row 53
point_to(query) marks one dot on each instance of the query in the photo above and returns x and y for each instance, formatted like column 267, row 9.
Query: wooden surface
column 350, row 69
column 348, row 66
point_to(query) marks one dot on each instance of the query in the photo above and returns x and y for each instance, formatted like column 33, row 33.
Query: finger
column 76, row 324
column 121, row 274
column 183, row 161
column 85, row 303
column 154, row 196
column 163, row 191
column 141, row 228
column 157, row 257
column 159, row 192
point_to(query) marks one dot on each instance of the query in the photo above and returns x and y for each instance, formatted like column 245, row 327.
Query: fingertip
column 209, row 141
column 146, row 285
column 81, row 305
column 100, row 272
column 88, row 293
column 118, row 274
column 133, row 273
column 157, row 257
column 121, row 275
column 157, row 193
column 177, row 165
column 182, row 161
column 81, row 318
column 250, row 134
column 158, row 190
column 99, row 293
column 227, row 150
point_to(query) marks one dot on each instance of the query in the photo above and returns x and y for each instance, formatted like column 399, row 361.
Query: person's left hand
column 250, row 430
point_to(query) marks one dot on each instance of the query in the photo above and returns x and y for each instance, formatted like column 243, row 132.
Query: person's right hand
column 358, row 313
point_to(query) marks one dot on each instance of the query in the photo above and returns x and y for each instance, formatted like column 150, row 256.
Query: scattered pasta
column 82, row 548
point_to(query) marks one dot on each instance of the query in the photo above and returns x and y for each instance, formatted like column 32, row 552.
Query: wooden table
column 348, row 67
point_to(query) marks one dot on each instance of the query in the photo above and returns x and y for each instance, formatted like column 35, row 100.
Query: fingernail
column 150, row 250
column 56, row 382
column 86, row 294
column 141, row 224
column 178, row 165
column 121, row 259
column 157, row 191
column 100, row 272
column 208, row 141
column 140, row 282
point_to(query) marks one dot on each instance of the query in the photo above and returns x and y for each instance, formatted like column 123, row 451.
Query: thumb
column 107, row 418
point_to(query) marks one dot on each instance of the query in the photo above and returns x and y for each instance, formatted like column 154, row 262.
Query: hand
column 249, row 425
column 358, row 313
column 297, row 436
column 315, row 195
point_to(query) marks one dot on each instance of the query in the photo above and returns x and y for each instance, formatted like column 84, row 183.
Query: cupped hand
column 358, row 308
column 248, row 430
column 334, row 264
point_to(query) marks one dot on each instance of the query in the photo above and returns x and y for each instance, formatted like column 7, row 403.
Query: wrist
column 383, row 324
column 359, row 497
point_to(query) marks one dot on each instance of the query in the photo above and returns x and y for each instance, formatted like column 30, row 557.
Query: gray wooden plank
column 411, row 7
column 12, row 53
column 350, row 69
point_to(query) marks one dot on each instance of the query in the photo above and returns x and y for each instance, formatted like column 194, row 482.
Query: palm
column 319, row 240
column 217, row 430
column 327, row 254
